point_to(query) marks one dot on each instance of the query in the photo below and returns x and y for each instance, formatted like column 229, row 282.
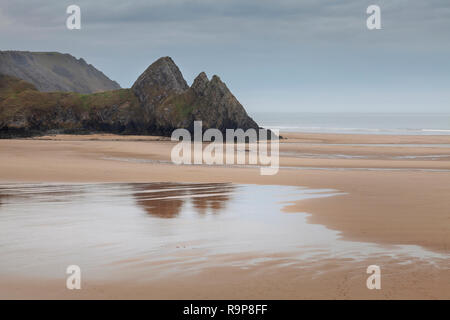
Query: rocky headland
column 158, row 102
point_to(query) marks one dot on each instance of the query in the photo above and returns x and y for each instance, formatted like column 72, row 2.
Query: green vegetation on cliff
column 25, row 111
column 19, row 95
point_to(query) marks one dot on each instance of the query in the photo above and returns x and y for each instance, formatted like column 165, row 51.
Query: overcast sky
column 279, row 55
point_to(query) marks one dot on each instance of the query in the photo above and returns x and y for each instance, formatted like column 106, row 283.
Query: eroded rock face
column 200, row 84
column 218, row 108
column 209, row 101
column 161, row 79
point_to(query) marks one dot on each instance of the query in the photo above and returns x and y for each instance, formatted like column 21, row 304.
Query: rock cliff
column 159, row 102
column 53, row 71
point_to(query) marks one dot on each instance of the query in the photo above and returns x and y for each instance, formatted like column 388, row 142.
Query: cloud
column 205, row 20
column 4, row 20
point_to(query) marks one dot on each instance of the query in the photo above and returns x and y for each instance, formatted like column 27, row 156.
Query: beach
column 390, row 191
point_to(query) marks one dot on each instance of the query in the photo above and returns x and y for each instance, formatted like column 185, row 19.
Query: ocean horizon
column 356, row 122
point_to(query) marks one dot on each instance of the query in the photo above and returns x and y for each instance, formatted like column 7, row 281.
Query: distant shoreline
column 356, row 123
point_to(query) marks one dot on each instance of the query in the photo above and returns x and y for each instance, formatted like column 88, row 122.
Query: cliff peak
column 163, row 73
column 200, row 83
column 161, row 79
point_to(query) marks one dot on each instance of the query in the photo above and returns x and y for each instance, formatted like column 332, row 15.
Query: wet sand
column 387, row 201
column 340, row 279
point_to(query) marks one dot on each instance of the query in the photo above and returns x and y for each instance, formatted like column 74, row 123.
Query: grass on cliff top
column 104, row 99
column 20, row 96
column 10, row 86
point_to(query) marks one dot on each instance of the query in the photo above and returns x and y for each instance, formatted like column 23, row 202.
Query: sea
column 356, row 123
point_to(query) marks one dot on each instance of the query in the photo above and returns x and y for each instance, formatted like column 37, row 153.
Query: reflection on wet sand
column 215, row 203
column 167, row 200
column 165, row 231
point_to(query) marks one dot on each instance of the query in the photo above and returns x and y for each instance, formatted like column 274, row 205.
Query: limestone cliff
column 53, row 71
column 159, row 101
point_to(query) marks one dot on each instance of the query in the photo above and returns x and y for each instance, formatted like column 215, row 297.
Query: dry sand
column 408, row 205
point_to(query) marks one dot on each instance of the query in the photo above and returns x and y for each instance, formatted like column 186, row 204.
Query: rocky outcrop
column 53, row 71
column 159, row 102
column 200, row 84
column 218, row 107
column 209, row 101
column 161, row 80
